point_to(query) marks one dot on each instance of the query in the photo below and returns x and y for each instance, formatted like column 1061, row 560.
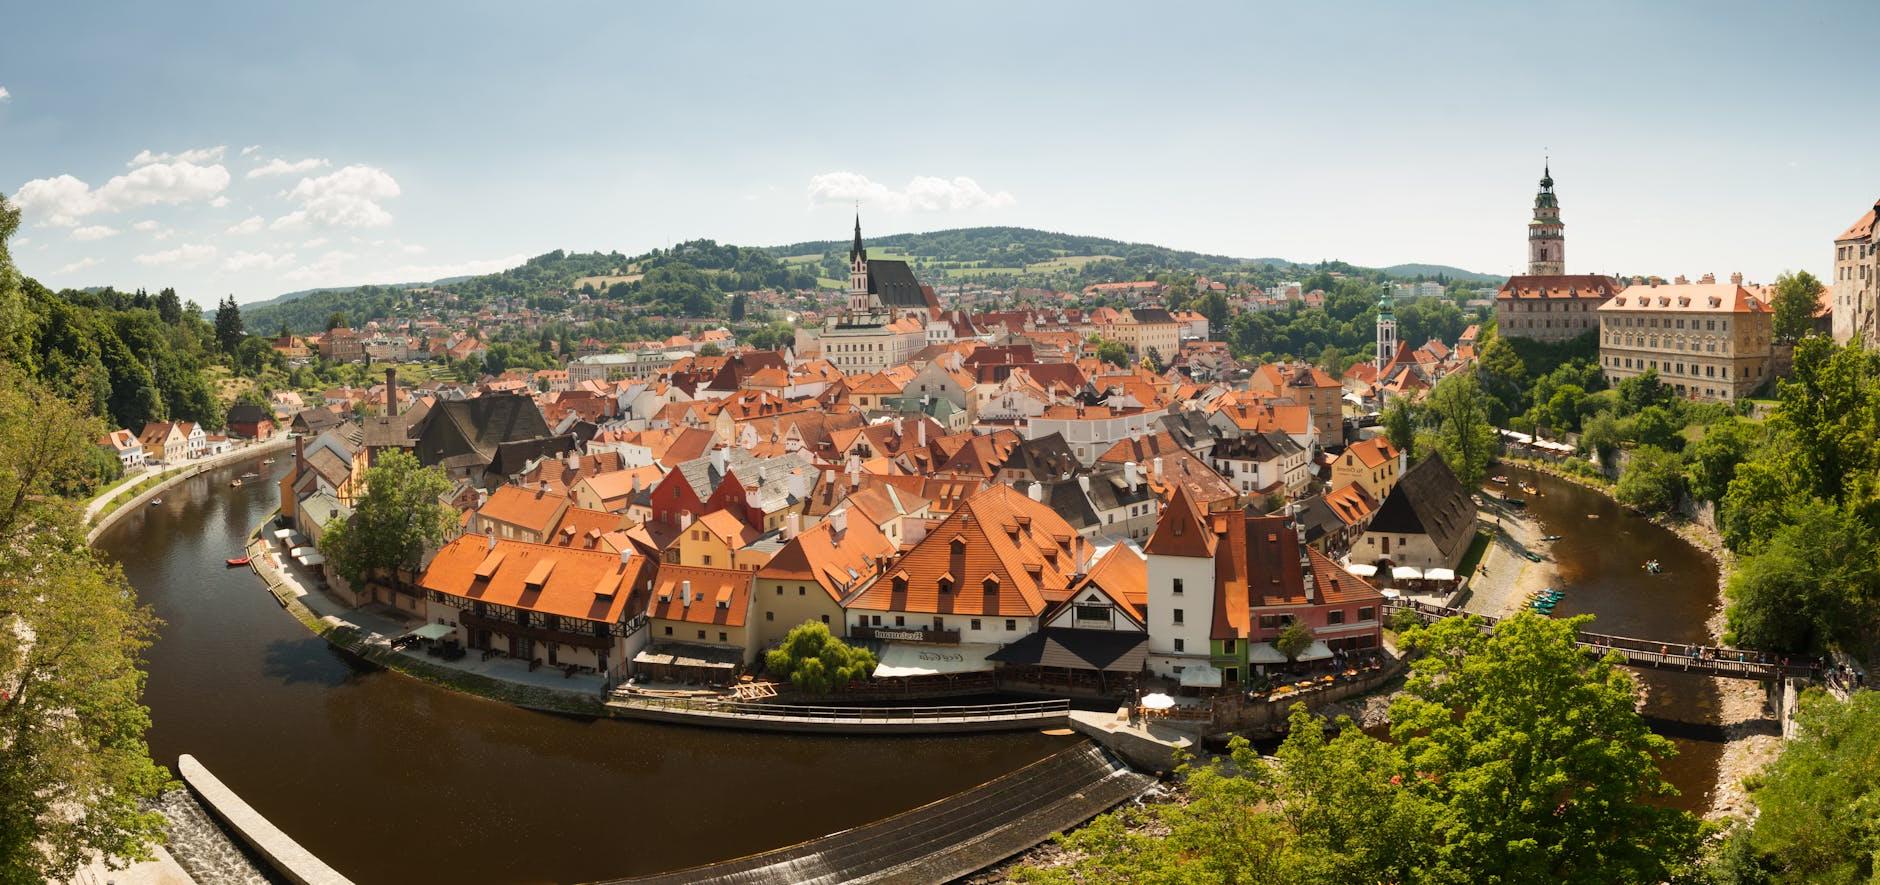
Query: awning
column 432, row 631
column 1362, row 571
column 1440, row 574
column 1391, row 593
column 1265, row 653
column 1201, row 676
column 1318, row 652
column 918, row 659
column 1112, row 651
column 298, row 552
column 311, row 559
column 1157, row 701
column 1406, row 573
column 284, row 533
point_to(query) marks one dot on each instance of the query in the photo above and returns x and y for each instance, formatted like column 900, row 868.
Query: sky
column 253, row 149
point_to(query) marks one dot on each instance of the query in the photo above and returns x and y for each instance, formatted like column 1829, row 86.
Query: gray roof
column 893, row 284
column 1429, row 500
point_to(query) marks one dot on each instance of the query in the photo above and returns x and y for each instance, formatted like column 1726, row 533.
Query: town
column 693, row 444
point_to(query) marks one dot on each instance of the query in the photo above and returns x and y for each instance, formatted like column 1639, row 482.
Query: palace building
column 1708, row 340
column 1547, row 303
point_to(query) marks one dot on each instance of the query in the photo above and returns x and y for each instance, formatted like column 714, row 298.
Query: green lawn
column 1066, row 263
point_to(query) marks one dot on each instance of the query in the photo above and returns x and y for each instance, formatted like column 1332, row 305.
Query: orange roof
column 1350, row 503
column 999, row 554
column 719, row 596
column 1687, row 298
column 1373, row 452
column 573, row 583
column 586, row 529
column 1181, row 529
column 727, row 527
column 533, row 510
column 1862, row 228
column 1123, row 575
column 1559, row 286
column 836, row 561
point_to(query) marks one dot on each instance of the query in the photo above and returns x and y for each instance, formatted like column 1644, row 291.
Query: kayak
column 237, row 561
column 1536, row 557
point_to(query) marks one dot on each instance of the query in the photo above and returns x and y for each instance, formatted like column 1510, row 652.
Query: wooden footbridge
column 1734, row 663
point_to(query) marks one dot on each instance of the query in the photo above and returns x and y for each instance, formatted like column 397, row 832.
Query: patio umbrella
column 1157, row 701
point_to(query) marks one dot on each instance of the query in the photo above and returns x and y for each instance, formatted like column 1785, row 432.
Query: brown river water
column 389, row 779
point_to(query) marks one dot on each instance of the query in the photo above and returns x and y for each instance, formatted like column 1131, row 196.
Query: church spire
column 856, row 251
column 1547, row 236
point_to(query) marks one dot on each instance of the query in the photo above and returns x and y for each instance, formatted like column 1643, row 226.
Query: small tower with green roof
column 1386, row 330
column 1547, row 236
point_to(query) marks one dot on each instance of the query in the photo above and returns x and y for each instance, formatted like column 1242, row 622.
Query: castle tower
column 1547, row 237
column 1386, row 332
column 858, row 270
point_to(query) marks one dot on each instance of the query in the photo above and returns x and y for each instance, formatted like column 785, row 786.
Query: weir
column 945, row 840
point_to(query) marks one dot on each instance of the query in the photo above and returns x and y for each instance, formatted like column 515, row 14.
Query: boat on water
column 235, row 482
column 234, row 562
column 1550, row 537
column 155, row 501
column 1498, row 480
column 267, row 460
column 250, row 475
column 1592, row 516
column 1531, row 555
column 1516, row 502
column 1530, row 489
column 1652, row 567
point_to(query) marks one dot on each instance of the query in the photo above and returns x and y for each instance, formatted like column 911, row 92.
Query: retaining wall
column 857, row 726
column 255, row 451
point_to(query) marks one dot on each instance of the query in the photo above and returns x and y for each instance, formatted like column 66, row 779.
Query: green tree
column 1711, row 462
column 335, row 320
column 1653, row 480
column 1643, row 390
column 1657, row 426
column 1815, row 583
column 1112, row 352
column 1293, row 640
column 1464, row 435
column 1797, row 298
column 710, row 350
column 1213, row 305
column 1534, row 749
column 76, row 771
column 1818, row 804
column 817, row 662
column 1601, row 434
column 228, row 325
column 1504, row 376
column 1400, row 420
column 394, row 522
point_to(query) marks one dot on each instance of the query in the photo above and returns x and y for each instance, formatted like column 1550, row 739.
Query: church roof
column 893, row 284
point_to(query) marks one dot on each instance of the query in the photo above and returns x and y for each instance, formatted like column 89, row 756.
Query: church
column 885, row 321
column 1547, row 303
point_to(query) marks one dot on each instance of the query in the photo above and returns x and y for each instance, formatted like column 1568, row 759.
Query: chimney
column 1158, row 468
column 626, row 556
column 921, row 433
column 1129, row 474
column 1037, row 492
column 1083, row 482
column 839, row 520
column 685, row 521
column 718, row 459
column 574, row 460
column 1736, row 279
column 491, row 546
column 685, row 593
column 391, row 391
column 1708, row 278
column 636, row 482
column 1680, row 280
column 300, row 456
column 792, row 524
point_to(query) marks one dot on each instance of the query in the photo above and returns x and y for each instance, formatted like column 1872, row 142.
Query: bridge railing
column 851, row 713
column 1707, row 658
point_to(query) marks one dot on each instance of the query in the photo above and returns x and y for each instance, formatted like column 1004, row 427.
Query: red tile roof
column 572, row 583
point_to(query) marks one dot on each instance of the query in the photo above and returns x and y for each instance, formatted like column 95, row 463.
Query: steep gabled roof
column 1181, row 530
column 1429, row 500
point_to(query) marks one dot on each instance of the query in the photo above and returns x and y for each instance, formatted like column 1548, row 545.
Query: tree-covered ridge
column 693, row 278
column 130, row 356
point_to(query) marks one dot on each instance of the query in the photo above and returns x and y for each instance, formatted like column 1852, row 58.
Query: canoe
column 1536, row 557
column 237, row 561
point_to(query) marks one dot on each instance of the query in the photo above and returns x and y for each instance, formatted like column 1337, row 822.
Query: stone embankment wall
column 277, row 444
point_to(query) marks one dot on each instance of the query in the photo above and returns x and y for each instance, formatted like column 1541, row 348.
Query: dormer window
column 991, row 585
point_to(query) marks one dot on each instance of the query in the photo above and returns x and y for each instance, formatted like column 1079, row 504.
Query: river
column 390, row 779
column 1600, row 562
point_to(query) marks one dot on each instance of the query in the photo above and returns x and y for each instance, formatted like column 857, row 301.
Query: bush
column 816, row 662
column 1653, row 480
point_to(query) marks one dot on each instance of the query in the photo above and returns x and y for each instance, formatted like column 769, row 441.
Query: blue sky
column 259, row 148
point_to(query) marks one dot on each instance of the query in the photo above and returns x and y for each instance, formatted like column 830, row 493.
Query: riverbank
column 105, row 510
column 1744, row 711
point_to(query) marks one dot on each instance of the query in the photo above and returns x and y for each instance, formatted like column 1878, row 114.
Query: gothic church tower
column 858, row 271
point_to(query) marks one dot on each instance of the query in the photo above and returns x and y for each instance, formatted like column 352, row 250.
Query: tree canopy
column 399, row 516
column 815, row 661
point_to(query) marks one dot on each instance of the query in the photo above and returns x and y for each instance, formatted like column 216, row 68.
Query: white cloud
column 250, row 149
column 78, row 265
column 4, row 94
column 145, row 226
column 924, row 193
column 348, row 197
column 219, row 202
column 241, row 261
column 322, row 268
column 21, row 241
column 198, row 156
column 62, row 200
column 93, row 232
column 314, row 243
column 253, row 225
column 188, row 255
column 278, row 166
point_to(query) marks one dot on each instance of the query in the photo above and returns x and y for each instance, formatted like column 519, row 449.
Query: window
column 1227, row 646
column 1367, row 613
column 1180, row 646
column 701, row 634
column 1010, row 625
column 1178, row 587
column 1178, row 615
column 1335, row 616
column 825, row 619
column 900, row 621
column 668, row 631
column 770, row 616
column 975, row 623
column 799, row 590
column 1093, row 613
column 877, row 620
